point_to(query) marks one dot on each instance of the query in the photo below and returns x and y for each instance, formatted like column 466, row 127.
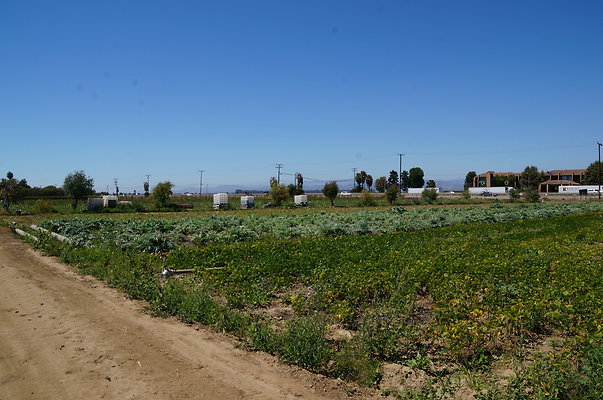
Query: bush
column 366, row 199
column 514, row 194
column 429, row 196
column 531, row 196
column 391, row 194
column 279, row 194
column 44, row 207
column 305, row 344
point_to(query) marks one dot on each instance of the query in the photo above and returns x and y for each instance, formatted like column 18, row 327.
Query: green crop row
column 158, row 235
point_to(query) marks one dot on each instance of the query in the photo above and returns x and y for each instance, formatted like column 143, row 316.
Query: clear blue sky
column 121, row 89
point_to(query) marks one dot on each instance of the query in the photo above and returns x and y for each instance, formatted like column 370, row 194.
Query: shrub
column 429, row 196
column 366, row 199
column 305, row 344
column 391, row 194
column 531, row 196
column 279, row 194
column 44, row 207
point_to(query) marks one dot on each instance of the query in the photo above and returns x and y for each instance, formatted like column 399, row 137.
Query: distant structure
column 553, row 179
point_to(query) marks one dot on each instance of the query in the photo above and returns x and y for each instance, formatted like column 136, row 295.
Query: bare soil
column 67, row 336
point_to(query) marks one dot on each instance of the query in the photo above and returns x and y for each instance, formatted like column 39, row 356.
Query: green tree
column 279, row 194
column 381, row 184
column 393, row 178
column 531, row 178
column 146, row 188
column 369, row 182
column 8, row 186
column 392, row 193
column 161, row 193
column 405, row 180
column 77, row 186
column 469, row 179
column 593, row 171
column 331, row 190
column 416, row 177
column 431, row 183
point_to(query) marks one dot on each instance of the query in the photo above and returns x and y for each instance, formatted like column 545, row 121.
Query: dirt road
column 66, row 336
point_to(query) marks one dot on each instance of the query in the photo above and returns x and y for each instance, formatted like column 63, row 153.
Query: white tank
column 220, row 200
column 300, row 200
column 247, row 201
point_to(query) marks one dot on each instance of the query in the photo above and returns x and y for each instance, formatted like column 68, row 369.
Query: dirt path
column 65, row 336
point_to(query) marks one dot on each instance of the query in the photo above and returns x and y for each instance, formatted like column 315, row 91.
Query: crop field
column 495, row 303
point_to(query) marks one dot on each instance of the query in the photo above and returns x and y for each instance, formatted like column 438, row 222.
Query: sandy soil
column 67, row 336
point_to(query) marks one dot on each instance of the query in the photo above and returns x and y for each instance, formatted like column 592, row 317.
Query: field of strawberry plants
column 504, row 302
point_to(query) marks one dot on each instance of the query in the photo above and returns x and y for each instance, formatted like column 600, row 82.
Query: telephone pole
column 400, row 176
column 278, row 179
column 599, row 169
column 201, row 181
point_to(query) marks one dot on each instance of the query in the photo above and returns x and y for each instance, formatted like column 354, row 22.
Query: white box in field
column 247, row 201
column 300, row 200
column 220, row 200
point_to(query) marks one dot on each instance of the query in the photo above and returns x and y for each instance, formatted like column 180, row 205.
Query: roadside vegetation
column 502, row 302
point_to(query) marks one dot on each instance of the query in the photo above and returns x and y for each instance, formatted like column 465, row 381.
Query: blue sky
column 121, row 89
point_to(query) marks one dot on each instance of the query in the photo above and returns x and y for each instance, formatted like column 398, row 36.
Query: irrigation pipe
column 25, row 234
column 55, row 235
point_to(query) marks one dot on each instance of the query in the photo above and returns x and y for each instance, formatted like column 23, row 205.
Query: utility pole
column 354, row 178
column 599, row 169
column 278, row 179
column 400, row 172
column 201, row 181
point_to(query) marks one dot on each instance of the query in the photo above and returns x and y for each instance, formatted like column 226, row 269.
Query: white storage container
column 300, row 200
column 247, row 201
column 110, row 201
column 220, row 200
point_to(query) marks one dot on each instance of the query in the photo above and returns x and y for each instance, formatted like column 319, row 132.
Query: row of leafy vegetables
column 160, row 235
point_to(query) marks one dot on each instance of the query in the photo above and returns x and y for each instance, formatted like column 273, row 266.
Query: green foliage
column 77, row 186
column 405, row 179
column 514, row 194
column 464, row 294
column 366, row 199
column 44, row 207
column 278, row 194
column 381, row 184
column 429, row 196
column 531, row 178
column 392, row 193
column 294, row 190
column 305, row 344
column 393, row 178
column 531, row 196
column 330, row 191
column 593, row 173
column 469, row 179
column 12, row 190
column 161, row 193
column 416, row 175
